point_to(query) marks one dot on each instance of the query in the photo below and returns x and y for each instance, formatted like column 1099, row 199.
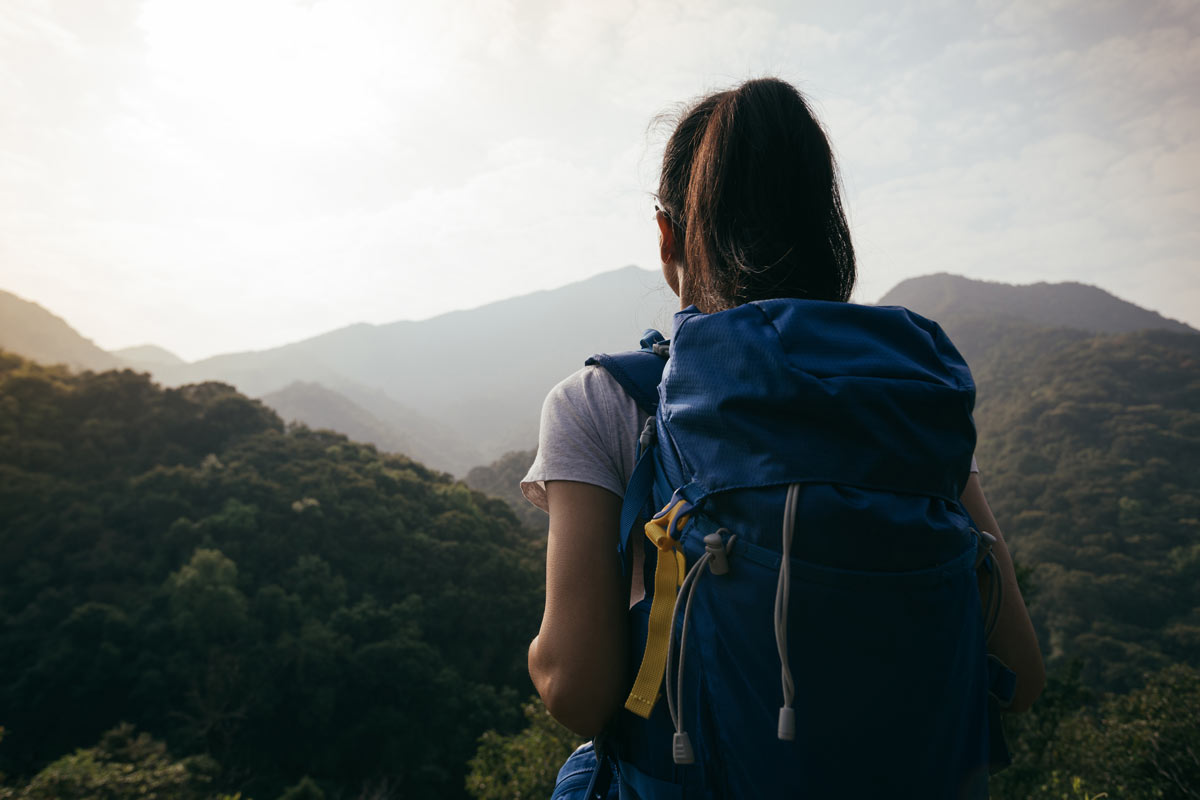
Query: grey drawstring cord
column 716, row 552
column 995, row 598
column 787, row 716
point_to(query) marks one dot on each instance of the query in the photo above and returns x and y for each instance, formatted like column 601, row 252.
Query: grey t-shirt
column 588, row 434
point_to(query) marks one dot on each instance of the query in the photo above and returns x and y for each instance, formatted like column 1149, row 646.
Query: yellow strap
column 668, row 575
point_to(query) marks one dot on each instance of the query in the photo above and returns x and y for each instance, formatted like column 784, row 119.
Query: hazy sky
column 216, row 175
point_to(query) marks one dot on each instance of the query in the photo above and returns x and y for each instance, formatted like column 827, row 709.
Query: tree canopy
column 284, row 601
column 288, row 611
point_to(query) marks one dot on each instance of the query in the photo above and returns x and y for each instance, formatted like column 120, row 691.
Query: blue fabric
column 633, row 506
column 870, row 410
column 637, row 371
column 583, row 777
column 867, row 396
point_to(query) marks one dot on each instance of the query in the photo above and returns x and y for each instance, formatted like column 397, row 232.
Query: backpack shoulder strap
column 638, row 371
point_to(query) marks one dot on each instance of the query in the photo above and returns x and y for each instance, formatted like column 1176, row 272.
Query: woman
column 748, row 209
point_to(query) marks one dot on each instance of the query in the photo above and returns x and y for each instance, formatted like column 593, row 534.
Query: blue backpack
column 813, row 625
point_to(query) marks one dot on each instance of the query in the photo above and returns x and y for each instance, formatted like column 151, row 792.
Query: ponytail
column 751, row 185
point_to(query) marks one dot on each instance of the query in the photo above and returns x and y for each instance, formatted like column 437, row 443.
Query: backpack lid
column 807, row 391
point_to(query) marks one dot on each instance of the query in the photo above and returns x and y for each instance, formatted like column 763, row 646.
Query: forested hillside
column 282, row 602
column 1092, row 454
column 271, row 603
column 502, row 478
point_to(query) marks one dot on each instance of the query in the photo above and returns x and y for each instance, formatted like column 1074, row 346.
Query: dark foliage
column 1090, row 450
column 123, row 765
column 290, row 604
column 287, row 602
column 525, row 764
column 1142, row 745
column 502, row 478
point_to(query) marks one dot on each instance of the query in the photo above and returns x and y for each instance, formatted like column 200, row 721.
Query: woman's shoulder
column 591, row 385
column 588, row 433
column 593, row 400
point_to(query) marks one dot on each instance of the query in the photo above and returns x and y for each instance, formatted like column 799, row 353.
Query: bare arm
column 1013, row 641
column 578, row 659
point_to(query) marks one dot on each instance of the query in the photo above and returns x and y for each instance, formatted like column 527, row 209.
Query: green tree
column 176, row 558
column 206, row 604
column 1143, row 745
column 124, row 765
column 524, row 764
column 306, row 789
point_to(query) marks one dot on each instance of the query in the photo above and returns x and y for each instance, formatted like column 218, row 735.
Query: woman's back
column 817, row 451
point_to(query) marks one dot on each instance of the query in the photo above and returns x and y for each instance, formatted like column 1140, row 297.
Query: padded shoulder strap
column 638, row 371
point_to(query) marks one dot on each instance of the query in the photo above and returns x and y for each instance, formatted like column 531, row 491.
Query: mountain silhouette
column 148, row 356
column 375, row 418
column 1059, row 305
column 481, row 374
column 33, row 332
column 461, row 389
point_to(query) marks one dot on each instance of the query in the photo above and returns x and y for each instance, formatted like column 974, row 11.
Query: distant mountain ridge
column 461, row 389
column 35, row 333
column 371, row 416
column 481, row 374
column 1058, row 305
column 148, row 355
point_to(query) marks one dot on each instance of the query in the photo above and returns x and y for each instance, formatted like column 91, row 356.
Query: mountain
column 502, row 479
column 179, row 559
column 464, row 388
column 1089, row 448
column 375, row 419
column 1059, row 305
column 33, row 332
column 1089, row 451
column 482, row 374
column 320, row 408
column 147, row 356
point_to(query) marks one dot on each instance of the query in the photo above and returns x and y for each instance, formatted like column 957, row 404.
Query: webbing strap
column 668, row 575
column 641, row 483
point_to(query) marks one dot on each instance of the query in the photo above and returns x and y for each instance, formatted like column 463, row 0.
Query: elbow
column 578, row 703
column 572, row 710
column 1030, row 683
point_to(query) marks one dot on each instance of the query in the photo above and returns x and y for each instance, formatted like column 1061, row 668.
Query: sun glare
column 276, row 71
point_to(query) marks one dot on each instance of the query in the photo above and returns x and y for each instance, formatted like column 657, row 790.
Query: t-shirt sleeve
column 588, row 433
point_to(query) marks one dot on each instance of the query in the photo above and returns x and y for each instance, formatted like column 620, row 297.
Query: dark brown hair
column 751, row 186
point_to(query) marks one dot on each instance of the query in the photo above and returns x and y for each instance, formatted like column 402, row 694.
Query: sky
column 238, row 174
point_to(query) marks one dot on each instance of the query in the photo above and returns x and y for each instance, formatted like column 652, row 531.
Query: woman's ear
column 666, row 238
column 668, row 251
